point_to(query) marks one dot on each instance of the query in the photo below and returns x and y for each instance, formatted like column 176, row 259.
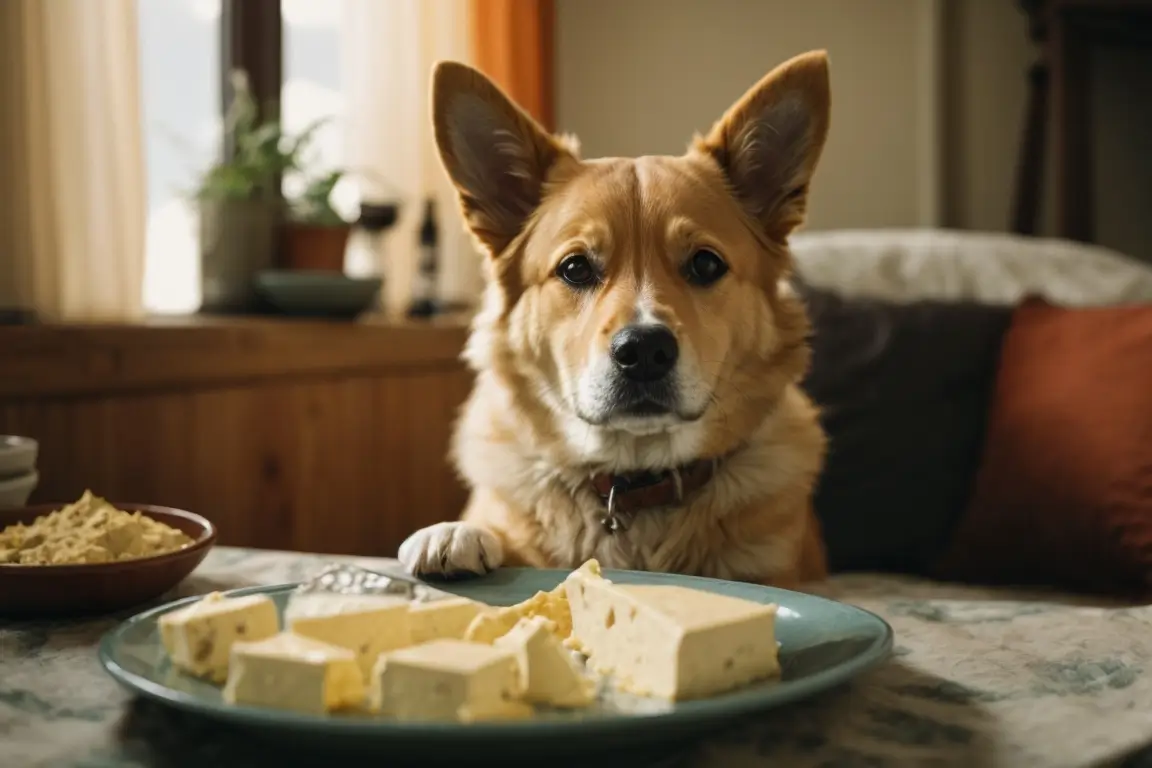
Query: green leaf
column 265, row 153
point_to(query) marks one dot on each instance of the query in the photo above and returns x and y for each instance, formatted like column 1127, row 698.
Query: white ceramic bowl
column 14, row 491
column 17, row 455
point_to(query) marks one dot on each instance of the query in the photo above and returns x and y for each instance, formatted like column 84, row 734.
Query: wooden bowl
column 74, row 590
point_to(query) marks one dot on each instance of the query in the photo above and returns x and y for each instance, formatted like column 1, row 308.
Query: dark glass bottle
column 425, row 302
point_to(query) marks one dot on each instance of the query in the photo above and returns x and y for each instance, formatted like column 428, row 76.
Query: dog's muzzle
column 644, row 365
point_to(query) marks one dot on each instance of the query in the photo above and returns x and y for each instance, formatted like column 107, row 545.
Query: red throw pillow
column 1063, row 496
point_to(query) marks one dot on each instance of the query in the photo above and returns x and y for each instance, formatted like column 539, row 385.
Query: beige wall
column 641, row 76
column 986, row 60
column 928, row 100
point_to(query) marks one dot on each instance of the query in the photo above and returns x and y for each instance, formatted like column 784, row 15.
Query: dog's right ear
column 498, row 157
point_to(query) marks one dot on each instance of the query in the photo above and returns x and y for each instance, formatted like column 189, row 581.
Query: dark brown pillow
column 904, row 392
column 1063, row 496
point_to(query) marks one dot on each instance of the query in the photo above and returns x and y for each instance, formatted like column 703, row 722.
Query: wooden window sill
column 195, row 351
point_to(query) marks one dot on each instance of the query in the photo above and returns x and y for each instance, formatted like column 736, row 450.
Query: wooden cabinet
column 299, row 435
column 1060, row 104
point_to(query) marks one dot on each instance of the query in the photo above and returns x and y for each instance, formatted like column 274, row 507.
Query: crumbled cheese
column 89, row 530
column 494, row 624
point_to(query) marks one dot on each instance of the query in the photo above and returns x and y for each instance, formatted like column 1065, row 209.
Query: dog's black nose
column 645, row 352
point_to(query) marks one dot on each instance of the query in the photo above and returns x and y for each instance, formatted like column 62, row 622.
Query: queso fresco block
column 288, row 671
column 367, row 625
column 448, row 680
column 670, row 642
column 445, row 619
column 199, row 637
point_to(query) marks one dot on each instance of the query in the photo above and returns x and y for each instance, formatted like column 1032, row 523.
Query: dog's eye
column 577, row 270
column 705, row 267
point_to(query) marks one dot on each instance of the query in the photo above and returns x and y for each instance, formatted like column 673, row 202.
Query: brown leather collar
column 625, row 494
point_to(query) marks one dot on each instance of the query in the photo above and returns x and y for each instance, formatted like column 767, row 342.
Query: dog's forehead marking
column 644, row 311
column 662, row 227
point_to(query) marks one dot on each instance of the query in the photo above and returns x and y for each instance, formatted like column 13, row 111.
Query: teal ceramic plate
column 822, row 644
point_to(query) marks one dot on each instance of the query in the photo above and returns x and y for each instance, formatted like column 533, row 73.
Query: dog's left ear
column 769, row 142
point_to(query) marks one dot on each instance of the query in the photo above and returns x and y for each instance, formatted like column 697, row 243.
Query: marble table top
column 979, row 678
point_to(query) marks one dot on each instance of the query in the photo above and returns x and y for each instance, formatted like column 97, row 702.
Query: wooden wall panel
column 338, row 459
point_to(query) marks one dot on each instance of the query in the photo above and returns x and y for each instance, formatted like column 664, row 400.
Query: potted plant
column 315, row 234
column 240, row 202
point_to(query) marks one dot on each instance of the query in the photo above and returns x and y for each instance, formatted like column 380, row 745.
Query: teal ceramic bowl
column 822, row 644
column 317, row 294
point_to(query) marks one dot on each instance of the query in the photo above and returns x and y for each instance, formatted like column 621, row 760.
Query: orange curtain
column 512, row 41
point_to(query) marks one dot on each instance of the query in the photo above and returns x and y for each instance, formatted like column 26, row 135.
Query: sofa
column 966, row 380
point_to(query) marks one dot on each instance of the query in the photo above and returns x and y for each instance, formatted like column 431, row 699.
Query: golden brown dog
column 638, row 352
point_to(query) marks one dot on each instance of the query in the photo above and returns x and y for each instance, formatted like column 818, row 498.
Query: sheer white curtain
column 389, row 49
column 72, row 201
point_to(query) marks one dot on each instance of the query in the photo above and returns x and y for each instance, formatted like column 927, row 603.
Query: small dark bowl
column 75, row 590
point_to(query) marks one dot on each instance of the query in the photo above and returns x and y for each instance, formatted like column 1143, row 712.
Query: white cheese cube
column 199, row 637
column 670, row 642
column 288, row 671
column 442, row 619
column 448, row 680
column 367, row 625
column 548, row 672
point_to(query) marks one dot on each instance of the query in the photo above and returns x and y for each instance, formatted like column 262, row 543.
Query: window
column 185, row 46
column 312, row 76
column 180, row 86
column 313, row 90
column 361, row 63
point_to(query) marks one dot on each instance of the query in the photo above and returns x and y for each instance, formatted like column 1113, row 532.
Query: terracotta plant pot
column 315, row 248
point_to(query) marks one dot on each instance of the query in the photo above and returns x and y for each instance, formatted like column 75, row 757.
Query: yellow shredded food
column 88, row 531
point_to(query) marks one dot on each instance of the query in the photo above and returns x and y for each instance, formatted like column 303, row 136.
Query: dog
column 638, row 349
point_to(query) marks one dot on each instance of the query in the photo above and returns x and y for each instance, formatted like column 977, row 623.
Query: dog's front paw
column 451, row 549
